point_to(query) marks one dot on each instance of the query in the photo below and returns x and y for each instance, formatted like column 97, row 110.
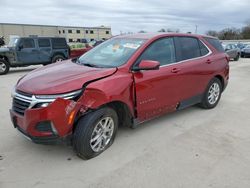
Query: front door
column 27, row 52
column 157, row 90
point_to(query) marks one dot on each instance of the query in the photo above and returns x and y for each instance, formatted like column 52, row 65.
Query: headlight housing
column 43, row 101
column 51, row 98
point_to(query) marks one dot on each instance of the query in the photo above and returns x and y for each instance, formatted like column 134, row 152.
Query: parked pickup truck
column 32, row 51
column 125, row 81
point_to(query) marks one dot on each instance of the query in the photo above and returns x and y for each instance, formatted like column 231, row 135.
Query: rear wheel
column 95, row 132
column 57, row 58
column 4, row 67
column 212, row 94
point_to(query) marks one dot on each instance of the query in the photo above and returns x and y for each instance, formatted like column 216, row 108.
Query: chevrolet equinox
column 124, row 81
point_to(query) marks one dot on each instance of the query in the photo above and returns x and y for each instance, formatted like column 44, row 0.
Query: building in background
column 72, row 34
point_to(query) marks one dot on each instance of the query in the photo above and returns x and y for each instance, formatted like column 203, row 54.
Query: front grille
column 19, row 106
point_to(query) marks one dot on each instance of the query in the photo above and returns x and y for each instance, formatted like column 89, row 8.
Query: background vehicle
column 32, row 51
column 124, row 81
column 2, row 43
column 78, row 49
column 232, row 50
column 245, row 52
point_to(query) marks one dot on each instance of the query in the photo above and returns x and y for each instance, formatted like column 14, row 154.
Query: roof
column 16, row 24
column 158, row 35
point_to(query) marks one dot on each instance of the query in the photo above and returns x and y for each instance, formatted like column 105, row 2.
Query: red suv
column 124, row 81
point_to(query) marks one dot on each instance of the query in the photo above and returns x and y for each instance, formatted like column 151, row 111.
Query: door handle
column 209, row 61
column 175, row 70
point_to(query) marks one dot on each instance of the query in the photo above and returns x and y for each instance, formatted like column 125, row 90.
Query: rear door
column 157, row 90
column 194, row 65
column 45, row 50
column 27, row 51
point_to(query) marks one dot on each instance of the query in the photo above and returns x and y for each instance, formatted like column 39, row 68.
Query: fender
column 118, row 87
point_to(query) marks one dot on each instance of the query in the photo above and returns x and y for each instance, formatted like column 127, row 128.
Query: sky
column 130, row 15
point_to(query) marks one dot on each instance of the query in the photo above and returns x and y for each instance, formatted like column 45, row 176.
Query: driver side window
column 27, row 43
column 162, row 50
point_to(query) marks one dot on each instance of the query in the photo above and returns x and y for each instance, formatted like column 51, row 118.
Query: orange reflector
column 71, row 117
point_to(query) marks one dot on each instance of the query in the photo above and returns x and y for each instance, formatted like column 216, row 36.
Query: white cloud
column 129, row 15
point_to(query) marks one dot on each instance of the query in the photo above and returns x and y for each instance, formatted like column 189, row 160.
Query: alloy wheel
column 2, row 67
column 213, row 93
column 102, row 134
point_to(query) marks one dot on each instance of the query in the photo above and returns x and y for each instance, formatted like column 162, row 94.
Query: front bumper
column 60, row 115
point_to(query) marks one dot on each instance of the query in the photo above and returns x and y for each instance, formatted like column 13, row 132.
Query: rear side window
column 59, row 43
column 189, row 48
column 215, row 43
column 203, row 49
column 28, row 43
column 163, row 51
column 43, row 43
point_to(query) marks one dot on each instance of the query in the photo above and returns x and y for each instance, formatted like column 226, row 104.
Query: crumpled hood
column 60, row 78
column 4, row 49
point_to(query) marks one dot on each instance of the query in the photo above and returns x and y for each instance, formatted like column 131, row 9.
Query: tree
column 162, row 30
column 142, row 31
column 230, row 34
column 212, row 33
column 245, row 32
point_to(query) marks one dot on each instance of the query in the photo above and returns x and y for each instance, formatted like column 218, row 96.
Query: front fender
column 116, row 88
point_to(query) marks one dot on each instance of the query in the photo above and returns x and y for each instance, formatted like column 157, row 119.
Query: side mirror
column 147, row 65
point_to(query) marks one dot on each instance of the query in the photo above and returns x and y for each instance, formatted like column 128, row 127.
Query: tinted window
column 189, row 48
column 91, row 32
column 69, row 31
column 203, row 49
column 58, row 43
column 162, row 50
column 43, row 42
column 28, row 43
column 215, row 43
column 78, row 31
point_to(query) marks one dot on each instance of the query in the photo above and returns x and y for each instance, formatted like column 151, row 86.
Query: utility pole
column 196, row 29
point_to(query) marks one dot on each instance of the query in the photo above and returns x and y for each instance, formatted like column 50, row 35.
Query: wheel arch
column 221, row 80
column 5, row 58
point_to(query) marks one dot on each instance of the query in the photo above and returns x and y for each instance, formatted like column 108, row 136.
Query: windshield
column 111, row 53
column 13, row 42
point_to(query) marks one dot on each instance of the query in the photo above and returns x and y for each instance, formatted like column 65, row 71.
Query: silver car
column 232, row 50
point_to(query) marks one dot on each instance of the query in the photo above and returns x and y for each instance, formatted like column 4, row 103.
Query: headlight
column 51, row 98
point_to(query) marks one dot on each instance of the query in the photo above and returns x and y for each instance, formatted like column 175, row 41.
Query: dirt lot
column 192, row 148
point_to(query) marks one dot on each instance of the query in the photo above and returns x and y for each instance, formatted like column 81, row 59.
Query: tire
column 207, row 102
column 57, row 58
column 91, row 127
column 237, row 57
column 4, row 67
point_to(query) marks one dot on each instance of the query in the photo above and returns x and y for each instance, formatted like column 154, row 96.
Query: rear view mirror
column 147, row 65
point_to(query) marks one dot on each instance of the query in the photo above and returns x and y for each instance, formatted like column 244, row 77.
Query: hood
column 4, row 49
column 60, row 78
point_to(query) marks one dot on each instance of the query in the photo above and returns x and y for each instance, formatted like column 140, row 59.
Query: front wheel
column 57, row 58
column 212, row 94
column 95, row 132
column 4, row 67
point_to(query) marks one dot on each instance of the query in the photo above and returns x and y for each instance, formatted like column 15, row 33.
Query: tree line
column 232, row 33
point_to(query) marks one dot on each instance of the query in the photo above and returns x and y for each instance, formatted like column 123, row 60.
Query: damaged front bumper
column 49, row 123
